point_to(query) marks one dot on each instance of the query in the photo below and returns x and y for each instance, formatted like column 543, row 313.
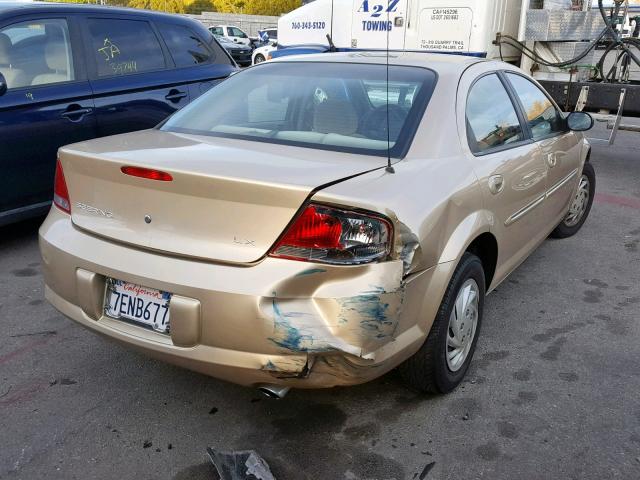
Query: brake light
column 60, row 191
column 330, row 235
column 147, row 173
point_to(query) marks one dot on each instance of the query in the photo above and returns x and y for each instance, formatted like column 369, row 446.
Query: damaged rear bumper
column 280, row 322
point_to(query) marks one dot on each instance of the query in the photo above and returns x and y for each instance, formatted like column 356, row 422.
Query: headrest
column 335, row 116
column 5, row 49
column 55, row 54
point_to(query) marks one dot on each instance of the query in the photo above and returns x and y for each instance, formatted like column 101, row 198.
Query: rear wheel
column 581, row 205
column 442, row 361
column 259, row 59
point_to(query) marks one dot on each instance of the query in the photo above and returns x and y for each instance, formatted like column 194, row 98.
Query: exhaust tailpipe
column 276, row 392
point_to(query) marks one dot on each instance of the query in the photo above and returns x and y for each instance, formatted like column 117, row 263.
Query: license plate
column 143, row 305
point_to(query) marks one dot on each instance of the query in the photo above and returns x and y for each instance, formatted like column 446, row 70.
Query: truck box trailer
column 449, row 26
column 554, row 31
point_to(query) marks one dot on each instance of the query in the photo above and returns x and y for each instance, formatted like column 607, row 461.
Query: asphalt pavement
column 553, row 391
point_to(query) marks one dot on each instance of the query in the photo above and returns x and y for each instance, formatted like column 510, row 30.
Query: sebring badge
column 90, row 209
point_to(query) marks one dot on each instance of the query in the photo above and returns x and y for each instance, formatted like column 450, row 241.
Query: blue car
column 73, row 72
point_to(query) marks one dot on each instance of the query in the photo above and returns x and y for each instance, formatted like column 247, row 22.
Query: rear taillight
column 60, row 191
column 329, row 235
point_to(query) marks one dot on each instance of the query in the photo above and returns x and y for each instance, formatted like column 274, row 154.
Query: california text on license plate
column 147, row 306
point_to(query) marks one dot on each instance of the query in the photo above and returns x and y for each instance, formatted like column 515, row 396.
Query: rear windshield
column 329, row 106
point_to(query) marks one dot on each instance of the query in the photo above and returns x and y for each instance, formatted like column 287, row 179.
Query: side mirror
column 3, row 85
column 579, row 121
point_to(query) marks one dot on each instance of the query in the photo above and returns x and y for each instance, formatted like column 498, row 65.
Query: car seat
column 57, row 59
column 335, row 116
column 13, row 76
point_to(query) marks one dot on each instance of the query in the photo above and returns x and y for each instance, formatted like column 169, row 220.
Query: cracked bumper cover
column 301, row 324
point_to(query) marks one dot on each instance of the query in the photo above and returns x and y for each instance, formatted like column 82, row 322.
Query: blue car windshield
column 330, row 106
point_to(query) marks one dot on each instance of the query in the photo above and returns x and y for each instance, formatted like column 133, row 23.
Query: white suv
column 232, row 33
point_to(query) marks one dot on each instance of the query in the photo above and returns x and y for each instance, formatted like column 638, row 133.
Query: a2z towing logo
column 376, row 11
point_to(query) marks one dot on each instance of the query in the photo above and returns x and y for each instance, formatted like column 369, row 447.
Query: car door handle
column 74, row 114
column 496, row 184
column 175, row 96
column 552, row 159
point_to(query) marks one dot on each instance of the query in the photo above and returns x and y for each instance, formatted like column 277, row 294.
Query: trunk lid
column 229, row 200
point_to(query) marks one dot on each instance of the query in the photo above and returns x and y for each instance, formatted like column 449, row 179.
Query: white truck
column 555, row 31
column 454, row 26
column 231, row 33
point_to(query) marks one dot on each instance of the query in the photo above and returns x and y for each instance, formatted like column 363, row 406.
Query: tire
column 429, row 369
column 259, row 59
column 570, row 225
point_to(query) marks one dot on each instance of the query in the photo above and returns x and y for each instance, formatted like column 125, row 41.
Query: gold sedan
column 318, row 221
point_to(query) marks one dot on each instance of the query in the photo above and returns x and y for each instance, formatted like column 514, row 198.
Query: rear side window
column 216, row 30
column 185, row 46
column 124, row 47
column 492, row 121
column 543, row 117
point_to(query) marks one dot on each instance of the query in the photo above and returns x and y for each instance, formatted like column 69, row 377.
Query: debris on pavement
column 425, row 471
column 240, row 465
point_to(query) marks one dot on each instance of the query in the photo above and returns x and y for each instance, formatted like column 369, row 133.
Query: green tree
column 113, row 3
column 250, row 7
column 172, row 6
column 270, row 7
column 230, row 6
column 196, row 7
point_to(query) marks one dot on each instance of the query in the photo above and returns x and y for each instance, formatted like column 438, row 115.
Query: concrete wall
column 248, row 23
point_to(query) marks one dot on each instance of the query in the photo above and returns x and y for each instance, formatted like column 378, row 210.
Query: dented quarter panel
column 439, row 221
